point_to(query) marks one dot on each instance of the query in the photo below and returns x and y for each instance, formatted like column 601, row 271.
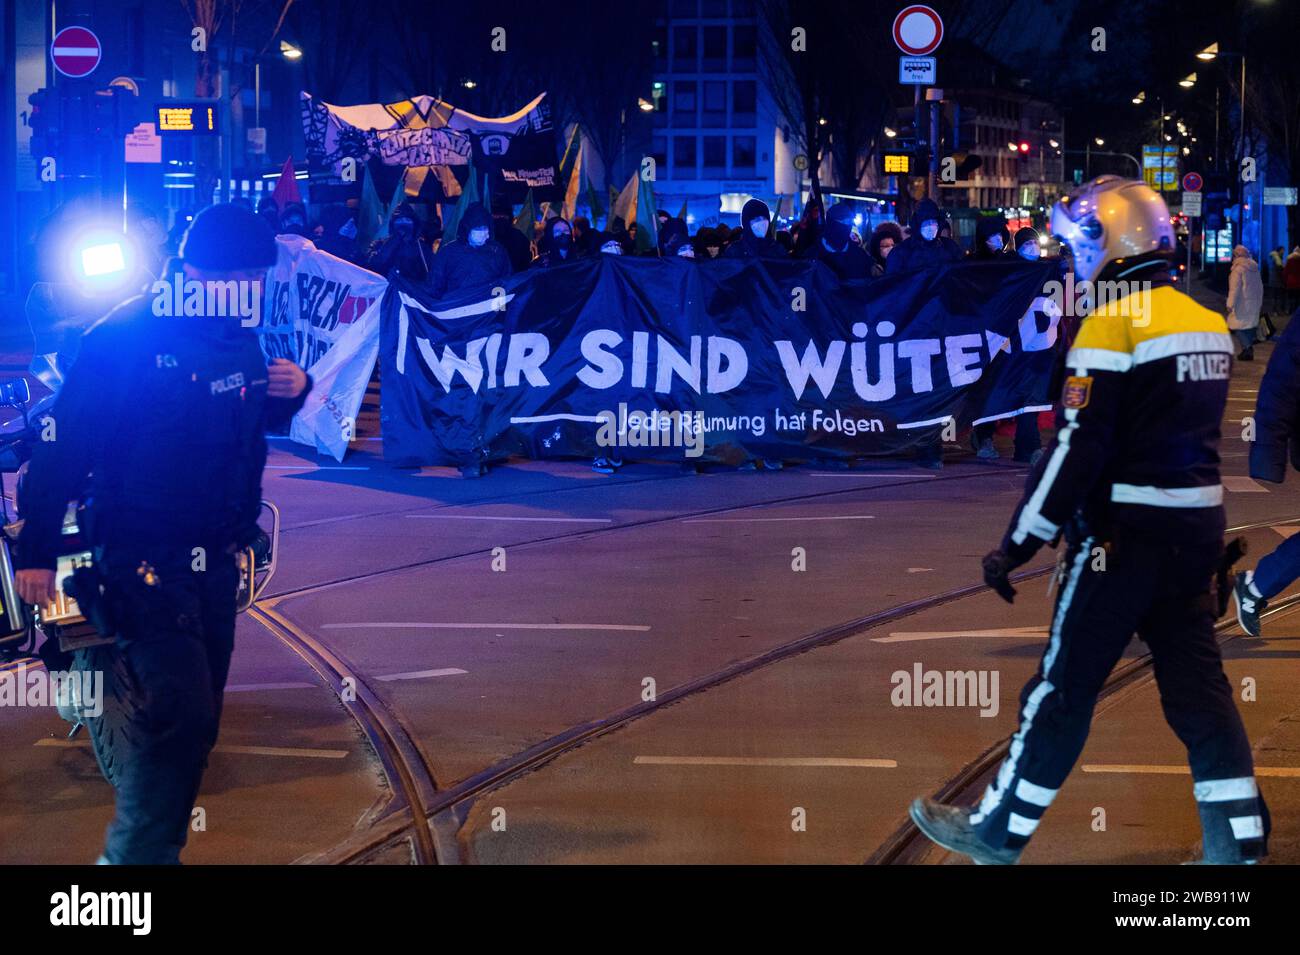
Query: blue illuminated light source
column 105, row 259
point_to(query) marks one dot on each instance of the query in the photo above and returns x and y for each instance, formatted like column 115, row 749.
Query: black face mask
column 404, row 227
column 563, row 241
column 837, row 233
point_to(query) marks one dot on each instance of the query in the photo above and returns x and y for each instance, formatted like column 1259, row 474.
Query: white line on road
column 908, row 636
column 1286, row 530
column 1285, row 772
column 316, row 467
column 816, row 761
column 236, row 750
column 761, row 520
column 494, row 517
column 250, row 687
column 420, row 674
column 486, row 626
column 1242, row 485
column 851, row 474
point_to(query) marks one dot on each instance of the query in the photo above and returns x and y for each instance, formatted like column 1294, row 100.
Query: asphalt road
column 560, row 666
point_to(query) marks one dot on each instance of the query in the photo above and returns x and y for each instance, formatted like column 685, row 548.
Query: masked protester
column 836, row 248
column 992, row 239
column 674, row 241
column 474, row 259
column 293, row 220
column 517, row 246
column 404, row 250
column 1133, row 474
column 1027, row 244
column 885, row 238
column 162, row 488
column 557, row 244
column 755, row 240
column 811, row 224
column 924, row 248
column 582, row 236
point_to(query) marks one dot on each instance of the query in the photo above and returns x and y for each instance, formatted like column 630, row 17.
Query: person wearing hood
column 1027, row 245
column 836, row 248
column 404, row 250
column 755, row 240
column 557, row 246
column 270, row 212
column 517, row 246
column 992, row 239
column 924, row 248
column 584, row 236
column 1245, row 298
column 293, row 220
column 674, row 240
column 885, row 238
column 475, row 258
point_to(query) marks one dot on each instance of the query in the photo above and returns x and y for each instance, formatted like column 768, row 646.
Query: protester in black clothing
column 1027, row 245
column 336, row 233
column 475, row 258
column 755, row 240
column 557, row 244
column 992, row 239
column 924, row 248
column 810, row 227
column 836, row 248
column 404, row 250
column 518, row 249
column 584, row 236
column 293, row 220
column 674, row 240
column 884, row 239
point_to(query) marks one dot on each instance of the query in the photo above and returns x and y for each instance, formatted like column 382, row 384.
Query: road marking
column 919, row 570
column 236, row 750
column 420, row 674
column 1242, row 485
column 250, row 687
column 1285, row 772
column 493, row 517
column 1286, row 530
column 316, row 467
column 890, row 474
column 909, row 636
column 487, row 626
column 814, row 761
column 761, row 520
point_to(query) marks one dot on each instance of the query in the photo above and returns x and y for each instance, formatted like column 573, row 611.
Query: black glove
column 997, row 569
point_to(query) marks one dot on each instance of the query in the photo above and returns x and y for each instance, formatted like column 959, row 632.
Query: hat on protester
column 228, row 238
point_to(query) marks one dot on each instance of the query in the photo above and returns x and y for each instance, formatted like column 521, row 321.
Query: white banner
column 323, row 313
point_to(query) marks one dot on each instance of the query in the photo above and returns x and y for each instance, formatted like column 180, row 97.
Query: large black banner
column 721, row 361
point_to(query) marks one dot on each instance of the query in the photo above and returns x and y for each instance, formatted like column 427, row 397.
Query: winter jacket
column 1245, row 291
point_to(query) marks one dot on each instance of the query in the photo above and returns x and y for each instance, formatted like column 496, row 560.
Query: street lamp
column 1140, row 98
column 468, row 84
column 645, row 105
column 1209, row 53
column 1188, row 81
column 289, row 51
column 891, row 133
column 1099, row 141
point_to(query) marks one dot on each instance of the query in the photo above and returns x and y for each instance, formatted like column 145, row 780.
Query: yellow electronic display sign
column 200, row 118
column 898, row 164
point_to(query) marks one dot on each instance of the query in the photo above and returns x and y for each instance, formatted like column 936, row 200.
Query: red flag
column 286, row 187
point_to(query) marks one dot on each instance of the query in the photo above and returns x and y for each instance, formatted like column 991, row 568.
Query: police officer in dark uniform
column 1132, row 483
column 160, row 427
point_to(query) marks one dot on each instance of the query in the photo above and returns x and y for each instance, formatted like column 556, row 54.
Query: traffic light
column 43, row 121
column 1023, row 146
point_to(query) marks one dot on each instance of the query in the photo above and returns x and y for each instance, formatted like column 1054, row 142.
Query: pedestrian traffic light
column 43, row 121
column 1023, row 147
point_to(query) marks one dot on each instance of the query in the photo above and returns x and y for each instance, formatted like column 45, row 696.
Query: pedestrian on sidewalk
column 1245, row 299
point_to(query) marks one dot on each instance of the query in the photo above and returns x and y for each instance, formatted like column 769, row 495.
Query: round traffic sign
column 75, row 52
column 800, row 162
column 918, row 30
column 1193, row 182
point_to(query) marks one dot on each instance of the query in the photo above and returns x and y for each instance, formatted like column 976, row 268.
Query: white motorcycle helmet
column 1113, row 225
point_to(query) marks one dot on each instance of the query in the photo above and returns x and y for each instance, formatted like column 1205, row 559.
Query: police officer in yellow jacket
column 1132, row 484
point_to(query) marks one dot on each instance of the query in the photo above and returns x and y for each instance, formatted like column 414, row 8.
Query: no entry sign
column 918, row 30
column 75, row 52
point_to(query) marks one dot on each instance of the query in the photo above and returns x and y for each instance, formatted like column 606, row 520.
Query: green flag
column 685, row 210
column 527, row 216
column 597, row 210
column 647, row 223
column 468, row 194
column 372, row 223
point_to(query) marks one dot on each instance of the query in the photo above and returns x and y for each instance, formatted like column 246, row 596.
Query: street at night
column 702, row 433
